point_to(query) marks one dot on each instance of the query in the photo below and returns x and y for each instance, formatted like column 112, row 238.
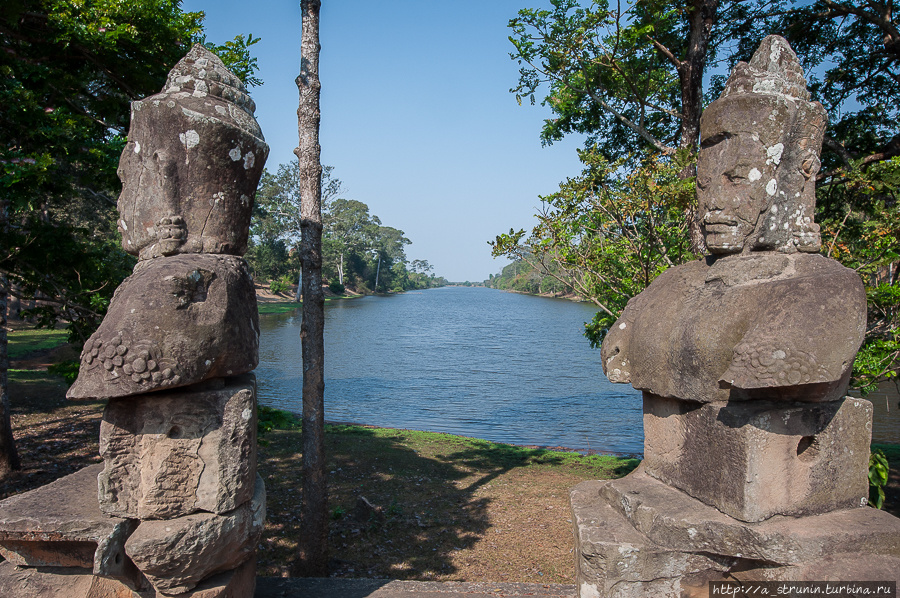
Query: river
column 465, row 360
column 472, row 361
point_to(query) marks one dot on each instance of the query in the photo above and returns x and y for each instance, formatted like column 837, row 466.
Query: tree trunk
column 377, row 272
column 312, row 558
column 341, row 269
column 701, row 18
column 9, row 457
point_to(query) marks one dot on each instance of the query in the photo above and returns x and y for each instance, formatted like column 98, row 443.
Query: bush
column 336, row 287
column 280, row 285
column 879, row 471
column 67, row 369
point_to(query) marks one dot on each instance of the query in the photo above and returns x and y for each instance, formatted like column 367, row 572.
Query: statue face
column 735, row 181
column 149, row 205
column 189, row 175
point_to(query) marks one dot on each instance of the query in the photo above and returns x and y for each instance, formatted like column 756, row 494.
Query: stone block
column 614, row 560
column 175, row 555
column 61, row 525
column 176, row 321
column 753, row 460
column 174, row 453
column 637, row 537
column 671, row 518
column 46, row 582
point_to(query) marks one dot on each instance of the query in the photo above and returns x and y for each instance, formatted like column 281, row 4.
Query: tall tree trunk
column 9, row 457
column 377, row 272
column 312, row 557
column 341, row 269
column 701, row 18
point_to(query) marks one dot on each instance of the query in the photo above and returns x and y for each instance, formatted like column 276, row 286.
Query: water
column 470, row 361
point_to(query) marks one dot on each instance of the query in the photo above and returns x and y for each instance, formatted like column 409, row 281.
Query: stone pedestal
column 54, row 582
column 638, row 537
column 171, row 454
column 177, row 507
column 756, row 459
column 61, row 525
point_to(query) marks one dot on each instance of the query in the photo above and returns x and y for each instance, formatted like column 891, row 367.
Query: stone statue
column 754, row 462
column 189, row 171
column 177, row 506
column 764, row 316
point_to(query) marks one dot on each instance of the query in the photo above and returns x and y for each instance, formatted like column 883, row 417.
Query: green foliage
column 336, row 288
column 269, row 418
column 67, row 370
column 609, row 234
column 70, row 69
column 280, row 285
column 605, row 79
column 879, row 471
column 338, row 512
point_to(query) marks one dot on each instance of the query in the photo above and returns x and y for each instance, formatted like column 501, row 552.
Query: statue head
column 192, row 163
column 759, row 156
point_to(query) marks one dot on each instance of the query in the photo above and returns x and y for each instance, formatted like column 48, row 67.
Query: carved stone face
column 734, row 183
column 191, row 165
column 759, row 157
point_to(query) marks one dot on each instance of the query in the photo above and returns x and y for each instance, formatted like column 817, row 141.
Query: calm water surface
column 471, row 361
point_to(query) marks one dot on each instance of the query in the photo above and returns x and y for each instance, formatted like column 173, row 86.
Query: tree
column 612, row 76
column 628, row 78
column 312, row 557
column 69, row 71
column 348, row 229
column 276, row 220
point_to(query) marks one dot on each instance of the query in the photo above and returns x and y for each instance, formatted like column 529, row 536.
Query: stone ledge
column 61, row 525
column 670, row 517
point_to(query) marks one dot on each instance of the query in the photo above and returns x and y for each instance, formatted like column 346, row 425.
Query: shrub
column 67, row 369
column 336, row 287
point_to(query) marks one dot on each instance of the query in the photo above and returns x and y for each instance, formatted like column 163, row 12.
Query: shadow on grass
column 54, row 437
column 424, row 490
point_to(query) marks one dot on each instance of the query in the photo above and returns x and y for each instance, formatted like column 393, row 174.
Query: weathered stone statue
column 177, row 507
column 744, row 358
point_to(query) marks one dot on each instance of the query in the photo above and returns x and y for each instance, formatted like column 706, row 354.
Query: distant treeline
column 358, row 252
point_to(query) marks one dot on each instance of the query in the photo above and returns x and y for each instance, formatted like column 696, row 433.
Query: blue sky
column 417, row 118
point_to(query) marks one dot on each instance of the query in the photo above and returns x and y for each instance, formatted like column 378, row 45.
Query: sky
column 417, row 118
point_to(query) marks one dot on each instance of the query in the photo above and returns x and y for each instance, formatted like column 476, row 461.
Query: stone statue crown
column 773, row 70
column 202, row 73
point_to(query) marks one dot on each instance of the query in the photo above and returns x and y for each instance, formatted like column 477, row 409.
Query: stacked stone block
column 177, row 508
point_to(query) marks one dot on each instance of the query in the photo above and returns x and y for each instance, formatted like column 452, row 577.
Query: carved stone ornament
column 194, row 157
column 176, row 321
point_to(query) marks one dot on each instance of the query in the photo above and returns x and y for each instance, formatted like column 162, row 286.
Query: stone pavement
column 276, row 587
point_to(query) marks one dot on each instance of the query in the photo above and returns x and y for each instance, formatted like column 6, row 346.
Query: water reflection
column 471, row 361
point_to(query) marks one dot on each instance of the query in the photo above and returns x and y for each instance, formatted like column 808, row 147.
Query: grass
column 280, row 307
column 23, row 342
